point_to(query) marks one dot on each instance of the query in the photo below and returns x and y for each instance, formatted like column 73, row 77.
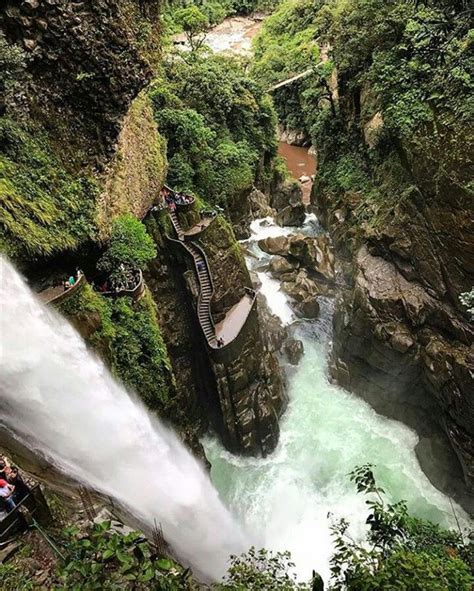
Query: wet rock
column 308, row 308
column 291, row 216
column 259, row 206
column 280, row 265
column 294, row 351
column 408, row 354
column 294, row 137
column 314, row 253
column 287, row 200
column 274, row 245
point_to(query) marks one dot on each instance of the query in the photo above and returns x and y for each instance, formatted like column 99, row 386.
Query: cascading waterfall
column 59, row 401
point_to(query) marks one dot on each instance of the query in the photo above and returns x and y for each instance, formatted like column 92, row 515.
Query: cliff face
column 86, row 63
column 240, row 393
column 402, row 338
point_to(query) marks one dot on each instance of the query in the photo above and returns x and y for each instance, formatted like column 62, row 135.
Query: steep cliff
column 393, row 190
column 81, row 150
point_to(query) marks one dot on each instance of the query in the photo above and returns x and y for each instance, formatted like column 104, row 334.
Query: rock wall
column 87, row 61
column 241, row 397
column 402, row 338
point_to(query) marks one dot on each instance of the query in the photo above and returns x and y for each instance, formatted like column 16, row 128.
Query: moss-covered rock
column 138, row 168
column 44, row 209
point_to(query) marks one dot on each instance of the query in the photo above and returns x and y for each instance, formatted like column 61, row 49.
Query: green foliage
column 402, row 552
column 139, row 355
column 218, row 124
column 43, row 208
column 86, row 303
column 13, row 578
column 261, row 570
column 408, row 62
column 129, row 337
column 214, row 10
column 12, row 71
column 129, row 247
column 106, row 560
column 194, row 23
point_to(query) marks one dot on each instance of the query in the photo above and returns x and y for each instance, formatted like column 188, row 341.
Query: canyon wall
column 403, row 340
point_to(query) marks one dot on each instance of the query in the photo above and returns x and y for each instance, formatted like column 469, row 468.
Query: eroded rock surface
column 411, row 356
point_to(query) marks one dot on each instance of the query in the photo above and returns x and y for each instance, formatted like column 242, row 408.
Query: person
column 4, row 469
column 20, row 488
column 220, row 342
column 6, row 500
column 71, row 281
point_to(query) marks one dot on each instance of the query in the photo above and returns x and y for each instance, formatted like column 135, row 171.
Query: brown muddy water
column 300, row 163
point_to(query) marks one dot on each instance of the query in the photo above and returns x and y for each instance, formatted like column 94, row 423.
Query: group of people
column 13, row 488
column 173, row 198
column 128, row 281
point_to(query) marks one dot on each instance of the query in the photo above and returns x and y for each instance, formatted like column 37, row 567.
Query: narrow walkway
column 205, row 283
column 200, row 227
column 234, row 320
column 229, row 328
column 57, row 293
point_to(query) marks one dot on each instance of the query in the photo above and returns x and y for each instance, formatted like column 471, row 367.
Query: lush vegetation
column 219, row 123
column 44, row 209
column 214, row 11
column 129, row 247
column 402, row 71
column 400, row 552
column 128, row 337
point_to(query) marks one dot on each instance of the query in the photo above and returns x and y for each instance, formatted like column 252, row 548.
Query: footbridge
column 294, row 78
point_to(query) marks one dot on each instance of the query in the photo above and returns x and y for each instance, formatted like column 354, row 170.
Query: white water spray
column 59, row 400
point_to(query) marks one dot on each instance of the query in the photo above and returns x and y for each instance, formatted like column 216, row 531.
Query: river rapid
column 289, row 500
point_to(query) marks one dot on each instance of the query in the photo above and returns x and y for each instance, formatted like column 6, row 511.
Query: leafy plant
column 106, row 560
column 194, row 24
column 129, row 247
column 402, row 552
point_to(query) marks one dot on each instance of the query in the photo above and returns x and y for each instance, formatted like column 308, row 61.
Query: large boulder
column 314, row 253
column 280, row 265
column 287, row 200
column 274, row 245
column 294, row 351
column 291, row 216
column 308, row 308
column 301, row 287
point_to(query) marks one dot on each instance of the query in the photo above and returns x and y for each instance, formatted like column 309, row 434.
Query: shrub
column 129, row 247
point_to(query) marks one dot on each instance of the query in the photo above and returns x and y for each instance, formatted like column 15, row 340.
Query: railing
column 190, row 199
column 56, row 295
column 15, row 520
column 135, row 293
column 200, row 301
column 229, row 351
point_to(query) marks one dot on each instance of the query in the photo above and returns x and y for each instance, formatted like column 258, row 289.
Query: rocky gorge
column 340, row 285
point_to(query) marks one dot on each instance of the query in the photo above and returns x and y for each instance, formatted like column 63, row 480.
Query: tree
column 130, row 247
column 194, row 24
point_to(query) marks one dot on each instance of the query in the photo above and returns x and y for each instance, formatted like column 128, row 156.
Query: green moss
column 139, row 355
column 85, row 302
column 127, row 334
column 44, row 209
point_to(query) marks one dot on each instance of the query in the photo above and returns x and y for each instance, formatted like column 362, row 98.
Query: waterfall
column 59, row 400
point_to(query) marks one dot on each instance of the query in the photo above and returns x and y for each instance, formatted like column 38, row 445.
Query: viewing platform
column 134, row 291
column 58, row 293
